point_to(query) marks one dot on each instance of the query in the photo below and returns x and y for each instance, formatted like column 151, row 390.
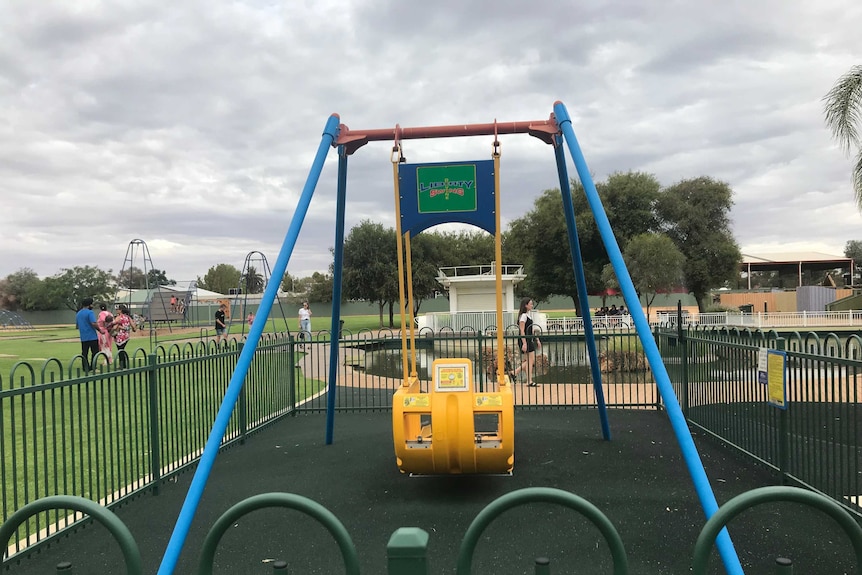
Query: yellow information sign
column 776, row 379
column 488, row 400
column 416, row 401
column 452, row 377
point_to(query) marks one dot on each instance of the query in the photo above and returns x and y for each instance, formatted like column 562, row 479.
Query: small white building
column 473, row 299
column 474, row 288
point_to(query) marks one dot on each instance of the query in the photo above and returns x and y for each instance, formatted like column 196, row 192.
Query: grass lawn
column 93, row 438
column 36, row 346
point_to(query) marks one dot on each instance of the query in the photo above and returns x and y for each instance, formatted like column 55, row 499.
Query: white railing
column 758, row 320
column 485, row 320
column 480, row 270
column 479, row 321
column 599, row 322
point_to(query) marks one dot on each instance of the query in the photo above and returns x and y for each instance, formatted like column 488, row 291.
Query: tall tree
column 539, row 239
column 72, row 285
column 610, row 281
column 654, row 264
column 156, row 277
column 843, row 110
column 320, row 287
column 220, row 278
column 132, row 278
column 695, row 215
column 629, row 200
column 289, row 283
column 463, row 248
column 853, row 250
column 427, row 250
column 370, row 266
column 252, row 281
column 21, row 291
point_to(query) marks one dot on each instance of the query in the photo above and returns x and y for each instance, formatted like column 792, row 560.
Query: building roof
column 794, row 262
column 792, row 258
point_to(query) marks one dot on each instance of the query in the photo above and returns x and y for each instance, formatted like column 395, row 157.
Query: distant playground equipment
column 254, row 269
column 13, row 320
column 160, row 306
column 556, row 131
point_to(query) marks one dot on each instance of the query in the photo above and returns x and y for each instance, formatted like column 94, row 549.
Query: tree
column 654, row 264
column 610, row 281
column 132, row 278
column 21, row 291
column 159, row 278
column 695, row 216
column 843, row 110
column 463, row 248
column 220, row 278
column 320, row 287
column 427, row 251
column 629, row 200
column 252, row 281
column 539, row 239
column 853, row 250
column 289, row 283
column 72, row 285
column 370, row 268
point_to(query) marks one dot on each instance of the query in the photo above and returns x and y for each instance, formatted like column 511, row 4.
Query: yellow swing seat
column 453, row 429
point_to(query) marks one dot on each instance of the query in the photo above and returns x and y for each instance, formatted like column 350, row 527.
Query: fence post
column 683, row 359
column 407, row 552
column 783, row 431
column 292, row 380
column 480, row 346
column 155, row 436
column 243, row 412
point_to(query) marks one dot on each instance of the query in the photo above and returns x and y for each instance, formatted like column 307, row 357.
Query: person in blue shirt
column 88, row 328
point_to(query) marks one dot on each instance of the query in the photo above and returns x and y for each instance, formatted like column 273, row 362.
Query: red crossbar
column 352, row 140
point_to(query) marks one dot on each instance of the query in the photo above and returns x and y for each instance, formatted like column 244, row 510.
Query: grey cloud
column 198, row 122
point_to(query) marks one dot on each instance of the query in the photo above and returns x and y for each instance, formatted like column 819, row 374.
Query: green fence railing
column 816, row 441
column 374, row 369
column 109, row 435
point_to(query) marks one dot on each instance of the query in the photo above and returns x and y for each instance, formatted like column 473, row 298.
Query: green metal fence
column 816, row 441
column 109, row 435
column 371, row 368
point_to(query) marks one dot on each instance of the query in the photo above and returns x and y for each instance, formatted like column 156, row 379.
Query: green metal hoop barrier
column 541, row 495
column 762, row 495
column 289, row 501
column 112, row 523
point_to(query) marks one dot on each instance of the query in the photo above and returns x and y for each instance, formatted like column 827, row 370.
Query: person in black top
column 527, row 342
column 220, row 327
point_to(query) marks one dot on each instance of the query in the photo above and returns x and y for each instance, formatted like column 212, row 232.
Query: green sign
column 446, row 188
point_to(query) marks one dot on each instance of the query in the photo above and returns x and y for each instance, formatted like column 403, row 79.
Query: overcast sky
column 191, row 125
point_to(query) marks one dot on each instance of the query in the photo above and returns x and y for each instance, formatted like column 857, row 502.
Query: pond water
column 564, row 362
